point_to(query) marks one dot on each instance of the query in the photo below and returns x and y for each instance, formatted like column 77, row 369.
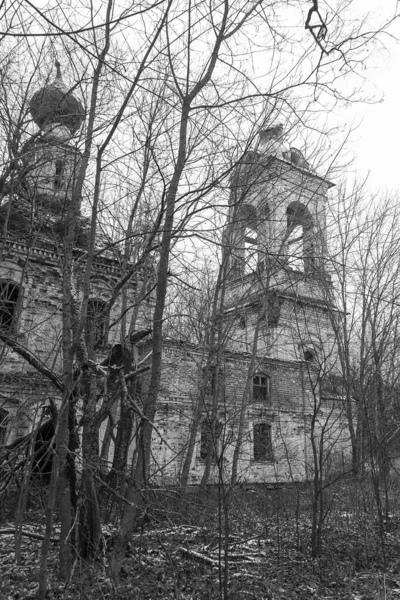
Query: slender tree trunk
column 45, row 549
column 194, row 427
column 245, row 402
column 216, row 347
column 143, row 455
column 23, row 496
column 89, row 518
column 118, row 474
column 133, row 499
column 106, row 443
column 143, row 452
column 212, row 445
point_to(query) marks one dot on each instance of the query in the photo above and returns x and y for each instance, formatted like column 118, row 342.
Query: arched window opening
column 262, row 443
column 210, row 440
column 59, row 174
column 96, row 323
column 9, row 295
column 261, row 388
column 309, row 355
column 299, row 237
column 297, row 158
column 250, row 250
column 244, row 240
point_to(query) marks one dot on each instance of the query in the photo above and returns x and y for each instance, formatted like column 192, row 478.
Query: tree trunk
column 117, row 476
column 194, row 427
column 244, row 402
column 89, row 517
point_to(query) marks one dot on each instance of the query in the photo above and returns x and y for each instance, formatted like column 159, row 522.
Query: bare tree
column 182, row 70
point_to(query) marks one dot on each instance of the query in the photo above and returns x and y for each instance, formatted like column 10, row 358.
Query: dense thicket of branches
column 174, row 94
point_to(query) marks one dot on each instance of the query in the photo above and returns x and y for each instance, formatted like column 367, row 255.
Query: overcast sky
column 375, row 143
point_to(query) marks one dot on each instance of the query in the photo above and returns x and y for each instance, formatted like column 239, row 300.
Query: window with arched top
column 96, row 323
column 310, row 351
column 244, row 239
column 300, row 247
column 309, row 355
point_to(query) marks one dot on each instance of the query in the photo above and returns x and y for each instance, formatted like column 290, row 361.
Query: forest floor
column 178, row 552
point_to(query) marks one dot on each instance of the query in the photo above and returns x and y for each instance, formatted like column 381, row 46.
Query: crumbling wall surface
column 293, row 403
column 36, row 326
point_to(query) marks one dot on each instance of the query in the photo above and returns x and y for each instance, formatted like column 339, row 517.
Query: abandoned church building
column 266, row 393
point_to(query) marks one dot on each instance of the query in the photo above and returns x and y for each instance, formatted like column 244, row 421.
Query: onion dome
column 56, row 105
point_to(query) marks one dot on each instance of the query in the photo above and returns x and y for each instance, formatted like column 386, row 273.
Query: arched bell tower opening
column 300, row 240
column 245, row 240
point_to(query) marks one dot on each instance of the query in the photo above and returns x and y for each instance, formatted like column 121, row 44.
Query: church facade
column 33, row 217
column 265, row 401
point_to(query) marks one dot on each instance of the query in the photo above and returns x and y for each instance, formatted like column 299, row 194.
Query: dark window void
column 261, row 388
column 241, row 322
column 9, row 294
column 97, row 322
column 59, row 174
column 210, row 440
column 332, row 385
column 3, row 426
column 262, row 442
column 309, row 355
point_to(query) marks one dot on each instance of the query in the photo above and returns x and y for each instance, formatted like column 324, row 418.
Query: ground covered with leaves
column 257, row 546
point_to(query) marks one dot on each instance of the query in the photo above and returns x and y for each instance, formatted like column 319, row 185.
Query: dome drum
column 50, row 168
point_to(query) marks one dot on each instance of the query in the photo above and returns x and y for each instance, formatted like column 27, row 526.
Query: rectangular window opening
column 262, row 443
column 96, row 326
column 4, row 416
column 59, row 174
column 9, row 294
column 261, row 388
column 210, row 440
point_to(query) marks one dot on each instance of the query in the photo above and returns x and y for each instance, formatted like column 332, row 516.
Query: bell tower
column 277, row 211
column 277, row 244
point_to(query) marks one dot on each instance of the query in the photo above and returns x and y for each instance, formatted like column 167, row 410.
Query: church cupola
column 51, row 160
column 55, row 109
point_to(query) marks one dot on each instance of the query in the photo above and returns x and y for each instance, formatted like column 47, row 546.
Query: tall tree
column 181, row 66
